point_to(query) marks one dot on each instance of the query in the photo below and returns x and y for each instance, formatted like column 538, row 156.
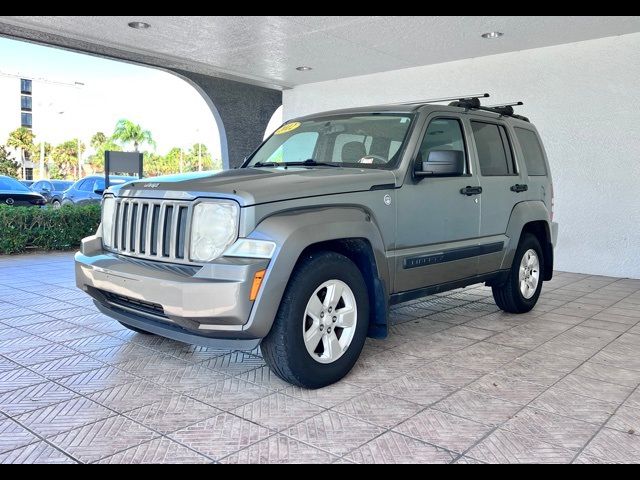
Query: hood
column 252, row 186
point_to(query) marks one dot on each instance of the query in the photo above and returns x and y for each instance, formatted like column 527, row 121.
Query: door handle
column 519, row 187
column 468, row 191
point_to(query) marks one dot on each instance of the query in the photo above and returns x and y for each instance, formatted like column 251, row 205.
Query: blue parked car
column 52, row 190
column 89, row 189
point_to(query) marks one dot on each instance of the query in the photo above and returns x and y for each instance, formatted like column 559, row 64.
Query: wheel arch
column 360, row 252
column 348, row 230
column 530, row 217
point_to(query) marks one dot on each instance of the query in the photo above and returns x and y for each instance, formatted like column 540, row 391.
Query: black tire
column 134, row 329
column 284, row 349
column 56, row 204
column 508, row 295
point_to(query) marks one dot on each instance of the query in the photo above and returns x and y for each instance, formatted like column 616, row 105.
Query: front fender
column 293, row 232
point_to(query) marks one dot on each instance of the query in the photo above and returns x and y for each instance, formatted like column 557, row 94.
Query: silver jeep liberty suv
column 333, row 219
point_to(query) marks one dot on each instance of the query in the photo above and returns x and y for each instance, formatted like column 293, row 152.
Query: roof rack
column 504, row 109
column 459, row 98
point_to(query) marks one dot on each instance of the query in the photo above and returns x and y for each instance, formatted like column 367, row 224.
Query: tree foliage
column 97, row 140
column 65, row 159
column 22, row 139
column 61, row 161
column 100, row 144
column 8, row 165
column 128, row 132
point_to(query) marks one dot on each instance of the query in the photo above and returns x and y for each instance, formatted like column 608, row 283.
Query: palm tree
column 126, row 131
column 22, row 139
column 97, row 140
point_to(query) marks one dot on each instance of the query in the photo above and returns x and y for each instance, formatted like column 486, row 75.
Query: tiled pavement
column 456, row 381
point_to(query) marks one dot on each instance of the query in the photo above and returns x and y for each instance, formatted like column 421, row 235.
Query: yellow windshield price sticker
column 289, row 127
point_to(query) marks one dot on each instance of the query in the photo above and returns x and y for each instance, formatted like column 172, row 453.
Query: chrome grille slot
column 152, row 229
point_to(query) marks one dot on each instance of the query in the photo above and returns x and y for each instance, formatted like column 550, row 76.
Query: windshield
column 359, row 140
column 7, row 183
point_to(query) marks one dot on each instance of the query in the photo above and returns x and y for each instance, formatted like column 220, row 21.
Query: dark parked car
column 52, row 190
column 15, row 194
column 89, row 190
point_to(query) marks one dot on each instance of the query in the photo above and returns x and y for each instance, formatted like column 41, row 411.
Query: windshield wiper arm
column 267, row 164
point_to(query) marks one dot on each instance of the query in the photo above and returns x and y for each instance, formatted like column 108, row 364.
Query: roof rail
column 445, row 99
column 511, row 104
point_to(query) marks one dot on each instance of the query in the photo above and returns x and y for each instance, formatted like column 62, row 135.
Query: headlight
column 214, row 226
column 108, row 210
column 250, row 248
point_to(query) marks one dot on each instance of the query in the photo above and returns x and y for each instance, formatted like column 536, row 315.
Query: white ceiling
column 268, row 49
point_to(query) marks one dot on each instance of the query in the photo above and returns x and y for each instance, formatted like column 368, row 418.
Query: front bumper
column 206, row 305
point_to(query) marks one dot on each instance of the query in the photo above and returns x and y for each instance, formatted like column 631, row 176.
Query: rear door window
column 494, row 151
column 532, row 152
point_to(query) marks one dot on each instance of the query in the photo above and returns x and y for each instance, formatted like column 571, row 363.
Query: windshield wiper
column 313, row 163
column 307, row 163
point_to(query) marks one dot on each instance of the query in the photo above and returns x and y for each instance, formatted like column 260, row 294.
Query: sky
column 169, row 107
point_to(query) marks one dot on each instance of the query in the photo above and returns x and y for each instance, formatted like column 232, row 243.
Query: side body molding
column 293, row 232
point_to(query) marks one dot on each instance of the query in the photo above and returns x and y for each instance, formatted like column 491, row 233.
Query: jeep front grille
column 152, row 229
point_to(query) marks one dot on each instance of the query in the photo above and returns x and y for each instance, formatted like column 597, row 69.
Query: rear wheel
column 322, row 322
column 521, row 290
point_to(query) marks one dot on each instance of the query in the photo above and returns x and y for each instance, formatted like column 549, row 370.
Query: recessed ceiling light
column 492, row 35
column 139, row 25
column 303, row 69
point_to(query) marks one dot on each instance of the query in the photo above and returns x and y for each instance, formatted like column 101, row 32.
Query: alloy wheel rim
column 330, row 321
column 529, row 274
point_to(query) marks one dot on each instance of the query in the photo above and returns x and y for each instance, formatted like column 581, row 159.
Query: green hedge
column 46, row 228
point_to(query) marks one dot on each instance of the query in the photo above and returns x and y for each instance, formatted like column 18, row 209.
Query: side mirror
column 46, row 189
column 442, row 163
column 99, row 191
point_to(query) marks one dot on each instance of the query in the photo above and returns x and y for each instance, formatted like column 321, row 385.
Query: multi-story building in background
column 40, row 105
column 16, row 110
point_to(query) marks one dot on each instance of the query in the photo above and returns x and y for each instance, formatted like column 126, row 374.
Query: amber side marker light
column 255, row 287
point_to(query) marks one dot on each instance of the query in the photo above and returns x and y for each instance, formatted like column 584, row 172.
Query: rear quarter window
column 532, row 152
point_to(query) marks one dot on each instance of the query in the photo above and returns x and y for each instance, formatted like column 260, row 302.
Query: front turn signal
column 255, row 286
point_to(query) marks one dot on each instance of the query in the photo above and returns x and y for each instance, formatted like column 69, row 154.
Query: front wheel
column 322, row 322
column 520, row 292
